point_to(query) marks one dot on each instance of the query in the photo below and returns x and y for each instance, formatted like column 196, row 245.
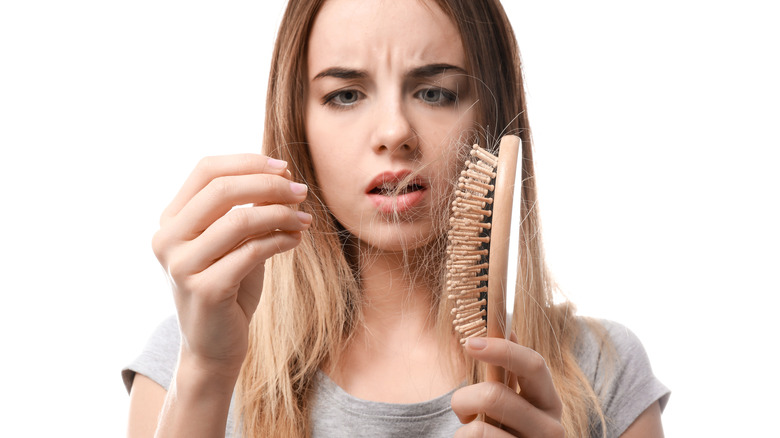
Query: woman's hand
column 534, row 412
column 214, row 254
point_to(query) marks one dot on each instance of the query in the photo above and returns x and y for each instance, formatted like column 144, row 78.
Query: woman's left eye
column 437, row 96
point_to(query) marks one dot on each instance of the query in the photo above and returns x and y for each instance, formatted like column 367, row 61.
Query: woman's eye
column 342, row 98
column 437, row 96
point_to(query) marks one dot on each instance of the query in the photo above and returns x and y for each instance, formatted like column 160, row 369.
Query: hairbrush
column 478, row 245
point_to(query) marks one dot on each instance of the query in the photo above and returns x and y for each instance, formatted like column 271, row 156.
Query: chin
column 398, row 237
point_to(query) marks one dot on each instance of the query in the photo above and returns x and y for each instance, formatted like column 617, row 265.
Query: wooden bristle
column 468, row 244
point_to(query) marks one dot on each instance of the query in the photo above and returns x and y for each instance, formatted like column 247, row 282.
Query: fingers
column 535, row 411
column 224, row 193
column 208, row 199
column 222, row 279
column 210, row 168
column 238, row 226
column 528, row 366
column 502, row 404
column 209, row 248
column 238, row 263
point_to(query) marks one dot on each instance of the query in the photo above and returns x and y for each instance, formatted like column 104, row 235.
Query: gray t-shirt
column 626, row 389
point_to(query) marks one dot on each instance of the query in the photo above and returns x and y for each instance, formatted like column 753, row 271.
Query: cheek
column 327, row 166
column 443, row 132
column 332, row 170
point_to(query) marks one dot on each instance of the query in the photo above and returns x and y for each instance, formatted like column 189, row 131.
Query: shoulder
column 600, row 340
column 617, row 366
column 158, row 359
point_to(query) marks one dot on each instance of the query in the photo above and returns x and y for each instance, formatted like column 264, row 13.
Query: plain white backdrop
column 655, row 127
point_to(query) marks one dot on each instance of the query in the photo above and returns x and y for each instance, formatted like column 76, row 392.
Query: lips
column 394, row 192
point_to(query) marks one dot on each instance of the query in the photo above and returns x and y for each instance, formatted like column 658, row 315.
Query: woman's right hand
column 214, row 254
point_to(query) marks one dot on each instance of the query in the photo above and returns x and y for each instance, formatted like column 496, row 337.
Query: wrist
column 214, row 376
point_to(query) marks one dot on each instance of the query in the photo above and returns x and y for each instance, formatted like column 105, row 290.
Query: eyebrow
column 341, row 73
column 425, row 71
column 431, row 70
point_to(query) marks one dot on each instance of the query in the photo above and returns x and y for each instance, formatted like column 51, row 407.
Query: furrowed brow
column 341, row 73
column 431, row 70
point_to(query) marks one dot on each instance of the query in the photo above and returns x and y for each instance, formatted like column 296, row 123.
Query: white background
column 655, row 127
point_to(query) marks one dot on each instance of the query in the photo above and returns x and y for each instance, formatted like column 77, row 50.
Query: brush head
column 478, row 247
column 478, row 241
column 468, row 244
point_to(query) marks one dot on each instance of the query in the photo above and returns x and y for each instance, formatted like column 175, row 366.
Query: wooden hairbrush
column 478, row 245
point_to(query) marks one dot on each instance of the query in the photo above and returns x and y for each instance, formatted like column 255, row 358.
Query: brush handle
column 501, row 221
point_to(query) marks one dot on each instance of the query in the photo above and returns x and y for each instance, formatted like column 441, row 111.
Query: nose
column 394, row 133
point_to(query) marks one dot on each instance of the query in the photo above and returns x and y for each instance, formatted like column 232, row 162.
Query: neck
column 395, row 355
column 398, row 295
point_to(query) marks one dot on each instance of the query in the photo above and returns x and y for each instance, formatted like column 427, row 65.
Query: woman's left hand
column 533, row 412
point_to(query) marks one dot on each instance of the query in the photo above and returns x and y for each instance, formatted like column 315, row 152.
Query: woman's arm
column 214, row 255
column 648, row 424
column 146, row 402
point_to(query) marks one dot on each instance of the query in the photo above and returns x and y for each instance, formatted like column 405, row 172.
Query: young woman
column 318, row 310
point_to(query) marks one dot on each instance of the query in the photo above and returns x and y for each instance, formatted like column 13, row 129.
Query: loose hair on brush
column 310, row 304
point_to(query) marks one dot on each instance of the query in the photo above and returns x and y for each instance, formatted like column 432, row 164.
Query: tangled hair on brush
column 311, row 300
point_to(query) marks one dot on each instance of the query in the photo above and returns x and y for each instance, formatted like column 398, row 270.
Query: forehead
column 349, row 32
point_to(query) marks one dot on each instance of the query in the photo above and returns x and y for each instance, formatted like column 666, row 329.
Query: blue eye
column 342, row 98
column 437, row 96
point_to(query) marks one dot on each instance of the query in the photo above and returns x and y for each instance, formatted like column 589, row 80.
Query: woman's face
column 388, row 96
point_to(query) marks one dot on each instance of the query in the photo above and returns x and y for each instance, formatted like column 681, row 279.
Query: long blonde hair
column 311, row 297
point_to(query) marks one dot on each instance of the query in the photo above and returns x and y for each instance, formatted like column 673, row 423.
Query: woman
column 320, row 303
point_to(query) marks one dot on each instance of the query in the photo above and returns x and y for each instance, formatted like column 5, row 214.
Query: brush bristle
column 468, row 244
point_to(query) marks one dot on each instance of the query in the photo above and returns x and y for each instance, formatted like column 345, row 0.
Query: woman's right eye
column 342, row 98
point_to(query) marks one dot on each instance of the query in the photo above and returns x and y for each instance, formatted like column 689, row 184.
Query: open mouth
column 396, row 192
column 391, row 189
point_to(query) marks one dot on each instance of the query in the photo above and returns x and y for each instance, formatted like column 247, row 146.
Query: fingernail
column 476, row 343
column 277, row 164
column 304, row 217
column 298, row 189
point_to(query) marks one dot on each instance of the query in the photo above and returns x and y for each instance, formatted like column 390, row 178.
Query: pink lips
column 380, row 192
